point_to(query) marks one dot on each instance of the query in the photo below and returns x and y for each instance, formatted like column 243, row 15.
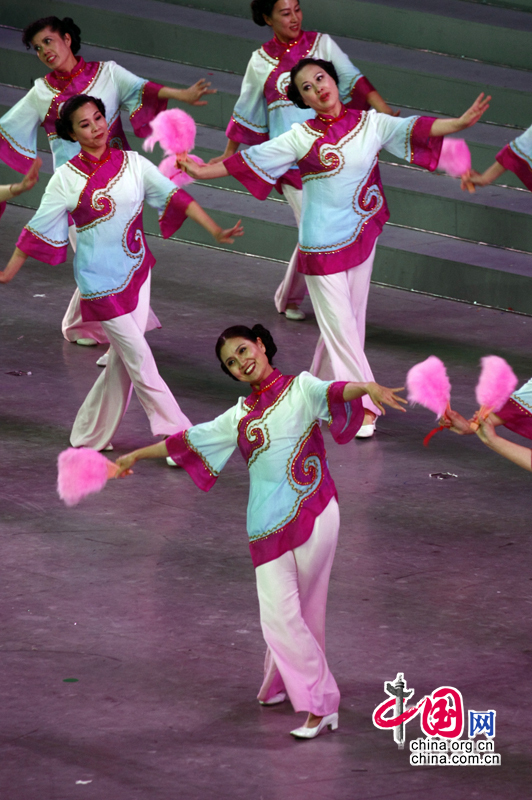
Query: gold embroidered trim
column 6, row 135
column 53, row 242
column 295, row 511
column 524, row 405
column 210, row 469
column 98, row 195
column 248, row 122
column 256, row 168
column 521, row 154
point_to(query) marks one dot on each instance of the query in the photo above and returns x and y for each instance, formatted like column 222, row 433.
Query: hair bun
column 266, row 338
column 69, row 26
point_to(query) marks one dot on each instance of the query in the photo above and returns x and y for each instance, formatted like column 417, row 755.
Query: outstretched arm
column 13, row 265
column 379, row 394
column 522, row 456
column 202, row 172
column 443, row 127
column 124, row 463
column 192, row 95
column 198, row 214
column 28, row 182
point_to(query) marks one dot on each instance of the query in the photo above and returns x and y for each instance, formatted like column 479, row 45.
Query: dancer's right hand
column 124, row 464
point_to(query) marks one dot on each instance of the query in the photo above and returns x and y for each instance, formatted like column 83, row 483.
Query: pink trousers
column 131, row 364
column 293, row 288
column 292, row 593
column 73, row 326
column 340, row 303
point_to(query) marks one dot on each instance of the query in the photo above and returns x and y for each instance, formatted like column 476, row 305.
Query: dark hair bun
column 266, row 338
column 260, row 7
column 69, row 26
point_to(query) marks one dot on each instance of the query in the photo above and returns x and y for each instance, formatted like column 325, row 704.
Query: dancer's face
column 285, row 20
column 318, row 90
column 246, row 360
column 89, row 128
column 54, row 49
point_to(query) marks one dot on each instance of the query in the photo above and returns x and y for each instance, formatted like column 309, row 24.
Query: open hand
column 227, row 236
column 474, row 113
column 194, row 93
column 381, row 394
column 29, row 180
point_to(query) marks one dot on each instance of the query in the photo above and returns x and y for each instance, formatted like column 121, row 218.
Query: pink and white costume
column 292, row 518
column 263, row 112
column 516, row 413
column 517, row 157
column 112, row 271
column 117, row 87
column 343, row 213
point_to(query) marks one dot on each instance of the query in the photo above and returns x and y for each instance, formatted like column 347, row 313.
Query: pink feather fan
column 176, row 133
column 428, row 385
column 455, row 158
column 82, row 471
column 495, row 384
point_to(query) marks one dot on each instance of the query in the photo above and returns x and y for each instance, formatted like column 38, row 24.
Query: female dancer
column 28, row 182
column 263, row 110
column 292, row 515
column 104, row 190
column 56, row 43
column 516, row 156
column 344, row 208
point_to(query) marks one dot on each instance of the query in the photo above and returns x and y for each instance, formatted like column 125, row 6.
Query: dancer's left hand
column 456, row 422
column 474, row 113
column 194, row 93
column 124, row 464
column 381, row 394
column 227, row 236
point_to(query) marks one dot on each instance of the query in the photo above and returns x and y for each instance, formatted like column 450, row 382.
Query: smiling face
column 246, row 360
column 318, row 90
column 285, row 20
column 89, row 128
column 54, row 50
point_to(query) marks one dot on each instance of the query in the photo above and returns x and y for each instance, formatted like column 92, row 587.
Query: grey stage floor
column 145, row 593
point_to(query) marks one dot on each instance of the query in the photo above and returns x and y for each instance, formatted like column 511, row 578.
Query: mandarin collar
column 268, row 382
column 105, row 155
column 327, row 119
column 63, row 76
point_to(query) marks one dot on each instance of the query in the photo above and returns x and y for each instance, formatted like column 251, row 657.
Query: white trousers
column 292, row 593
column 340, row 303
column 292, row 288
column 73, row 326
column 131, row 364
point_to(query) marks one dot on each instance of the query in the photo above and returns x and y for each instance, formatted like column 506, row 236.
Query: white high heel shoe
column 275, row 700
column 330, row 721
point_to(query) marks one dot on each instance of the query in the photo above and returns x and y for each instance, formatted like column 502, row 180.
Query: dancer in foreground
column 516, row 156
column 56, row 43
column 344, row 208
column 263, row 111
column 104, row 190
column 292, row 515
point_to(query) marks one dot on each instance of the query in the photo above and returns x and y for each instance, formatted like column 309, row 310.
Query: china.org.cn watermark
column 442, row 720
